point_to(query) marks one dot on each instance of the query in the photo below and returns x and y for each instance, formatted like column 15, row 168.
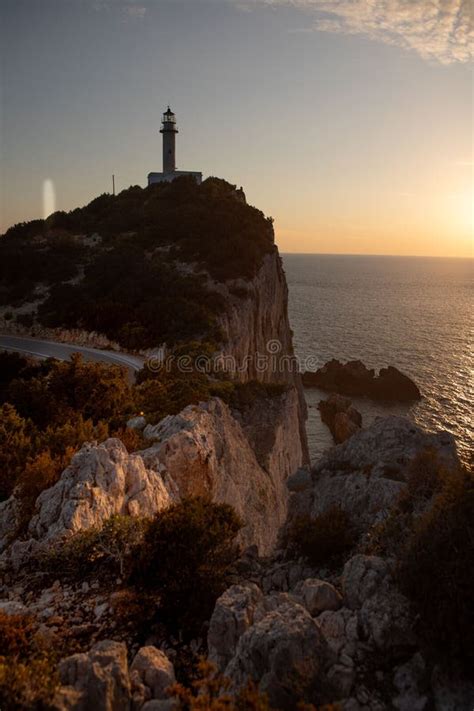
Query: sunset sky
column 348, row 121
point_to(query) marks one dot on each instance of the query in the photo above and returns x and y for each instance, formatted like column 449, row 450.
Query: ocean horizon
column 413, row 313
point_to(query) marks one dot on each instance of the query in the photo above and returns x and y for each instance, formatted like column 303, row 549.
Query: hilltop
column 140, row 267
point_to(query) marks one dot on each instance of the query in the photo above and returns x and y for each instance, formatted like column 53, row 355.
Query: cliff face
column 258, row 341
column 238, row 457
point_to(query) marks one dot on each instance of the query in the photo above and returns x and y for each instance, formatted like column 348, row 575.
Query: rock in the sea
column 355, row 379
column 342, row 419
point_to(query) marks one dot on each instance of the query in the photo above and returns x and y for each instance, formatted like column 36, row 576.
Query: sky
column 348, row 121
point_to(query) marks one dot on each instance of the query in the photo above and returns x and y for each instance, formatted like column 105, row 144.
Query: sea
column 415, row 313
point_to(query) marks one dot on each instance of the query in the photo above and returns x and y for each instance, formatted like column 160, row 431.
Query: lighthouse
column 169, row 130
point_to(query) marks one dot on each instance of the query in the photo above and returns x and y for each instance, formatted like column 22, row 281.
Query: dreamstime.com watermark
column 273, row 360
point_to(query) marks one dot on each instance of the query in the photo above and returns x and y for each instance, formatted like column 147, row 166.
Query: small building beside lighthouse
column 169, row 130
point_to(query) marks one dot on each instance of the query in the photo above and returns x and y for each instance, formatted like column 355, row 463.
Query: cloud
column 129, row 10
column 136, row 12
column 438, row 30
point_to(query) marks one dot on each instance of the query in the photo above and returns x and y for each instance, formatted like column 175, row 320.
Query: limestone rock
column 285, row 653
column 155, row 671
column 233, row 614
column 366, row 474
column 340, row 630
column 317, row 596
column 102, row 480
column 387, row 620
column 205, row 451
column 95, row 680
column 362, row 577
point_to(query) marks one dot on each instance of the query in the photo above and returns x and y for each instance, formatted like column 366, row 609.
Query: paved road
column 63, row 351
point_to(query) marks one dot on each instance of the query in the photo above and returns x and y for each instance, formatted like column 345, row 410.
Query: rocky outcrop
column 342, row 419
column 366, row 474
column 205, row 450
column 102, row 480
column 355, row 379
column 318, row 642
column 102, row 680
column 257, row 338
column 284, row 652
column 202, row 451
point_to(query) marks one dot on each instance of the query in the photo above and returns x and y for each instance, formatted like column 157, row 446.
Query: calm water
column 413, row 313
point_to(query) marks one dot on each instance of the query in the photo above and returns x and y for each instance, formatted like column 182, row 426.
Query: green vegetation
column 181, row 556
column 323, row 540
column 127, row 284
column 436, row 573
column 185, row 555
column 47, row 411
column 28, row 678
column 104, row 551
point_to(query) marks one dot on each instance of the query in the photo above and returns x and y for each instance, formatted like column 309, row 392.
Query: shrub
column 28, row 678
column 210, row 691
column 97, row 391
column 104, row 551
column 16, row 445
column 425, row 477
column 324, row 539
column 185, row 556
column 40, row 473
column 169, row 392
column 436, row 571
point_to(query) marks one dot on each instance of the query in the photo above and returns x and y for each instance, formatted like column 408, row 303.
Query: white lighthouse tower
column 169, row 130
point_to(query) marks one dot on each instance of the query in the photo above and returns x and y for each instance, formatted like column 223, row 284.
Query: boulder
column 342, row 419
column 233, row 614
column 362, row 576
column 317, row 596
column 95, row 680
column 341, row 632
column 355, row 379
column 285, row 653
column 154, row 670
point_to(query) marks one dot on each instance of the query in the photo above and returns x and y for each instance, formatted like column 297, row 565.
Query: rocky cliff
column 240, row 458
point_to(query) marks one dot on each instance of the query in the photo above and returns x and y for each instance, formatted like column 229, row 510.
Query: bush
column 436, row 571
column 185, row 556
column 16, row 445
column 210, row 691
column 322, row 540
column 103, row 551
column 28, row 678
